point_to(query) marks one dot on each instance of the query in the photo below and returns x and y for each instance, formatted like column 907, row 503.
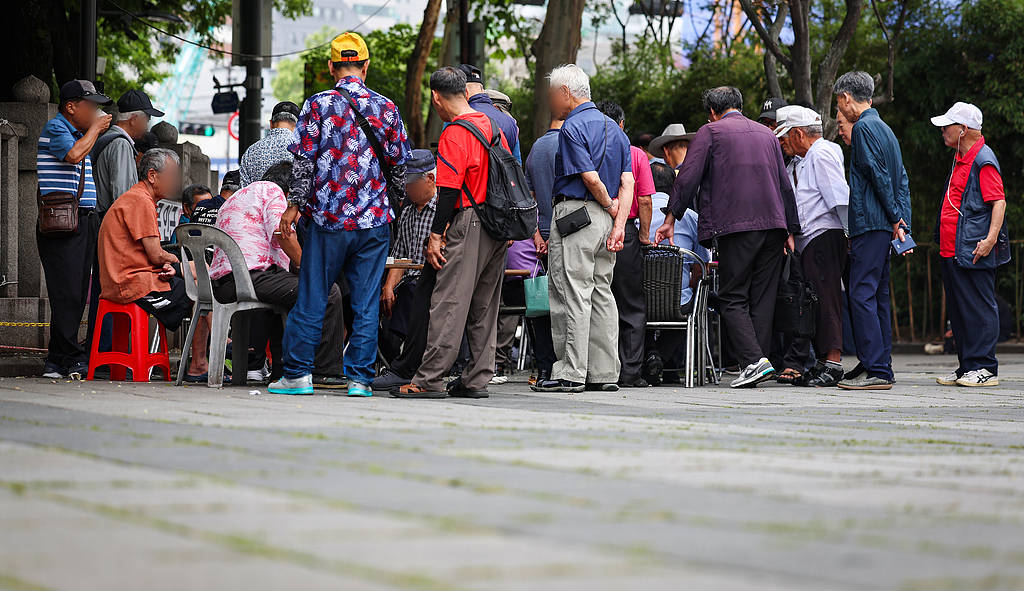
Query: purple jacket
column 735, row 179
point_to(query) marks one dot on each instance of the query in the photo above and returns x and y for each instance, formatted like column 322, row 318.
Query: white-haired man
column 593, row 192
column 115, row 159
column 822, row 200
column 974, row 205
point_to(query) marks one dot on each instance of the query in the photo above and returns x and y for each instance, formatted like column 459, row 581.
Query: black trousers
column 169, row 307
column 277, row 286
column 973, row 314
column 628, row 289
column 67, row 264
column 750, row 264
column 823, row 261
column 419, row 321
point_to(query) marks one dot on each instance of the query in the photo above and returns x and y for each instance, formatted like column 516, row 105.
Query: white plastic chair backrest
column 197, row 238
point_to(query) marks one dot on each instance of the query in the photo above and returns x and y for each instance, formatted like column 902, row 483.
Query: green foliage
column 137, row 54
column 289, row 74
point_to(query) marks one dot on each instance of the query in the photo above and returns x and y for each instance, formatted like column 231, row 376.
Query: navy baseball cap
column 770, row 106
column 286, row 107
column 136, row 100
column 421, row 163
column 82, row 89
column 472, row 73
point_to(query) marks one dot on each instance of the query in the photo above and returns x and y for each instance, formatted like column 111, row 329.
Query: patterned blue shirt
column 263, row 154
column 349, row 191
column 57, row 174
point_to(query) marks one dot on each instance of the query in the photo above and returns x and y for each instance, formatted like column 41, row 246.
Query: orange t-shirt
column 125, row 271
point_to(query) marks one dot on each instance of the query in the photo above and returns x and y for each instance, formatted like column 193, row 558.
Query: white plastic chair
column 194, row 239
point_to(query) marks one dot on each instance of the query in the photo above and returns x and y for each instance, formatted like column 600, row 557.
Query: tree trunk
column 448, row 44
column 800, row 15
column 414, row 75
column 557, row 44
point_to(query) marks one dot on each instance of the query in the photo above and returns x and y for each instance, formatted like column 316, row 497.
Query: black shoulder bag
column 394, row 195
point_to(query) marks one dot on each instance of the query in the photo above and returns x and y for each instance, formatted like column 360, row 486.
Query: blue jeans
column 361, row 254
column 869, row 301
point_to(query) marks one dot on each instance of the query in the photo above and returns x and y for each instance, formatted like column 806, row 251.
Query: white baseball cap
column 962, row 114
column 792, row 116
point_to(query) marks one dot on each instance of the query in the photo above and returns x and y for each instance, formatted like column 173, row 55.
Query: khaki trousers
column 467, row 296
column 584, row 318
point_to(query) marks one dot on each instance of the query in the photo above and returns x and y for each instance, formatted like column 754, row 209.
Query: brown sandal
column 789, row 376
column 411, row 390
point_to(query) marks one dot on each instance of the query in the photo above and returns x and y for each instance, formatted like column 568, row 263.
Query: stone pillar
column 10, row 133
column 32, row 111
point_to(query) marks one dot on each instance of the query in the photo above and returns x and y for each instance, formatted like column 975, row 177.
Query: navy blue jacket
column 483, row 103
column 879, row 189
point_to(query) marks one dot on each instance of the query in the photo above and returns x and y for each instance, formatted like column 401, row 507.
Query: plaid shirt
column 268, row 151
column 413, row 231
column 335, row 166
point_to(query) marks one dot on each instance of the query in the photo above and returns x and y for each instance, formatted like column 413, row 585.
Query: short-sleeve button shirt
column 268, row 151
column 587, row 134
column 55, row 173
column 251, row 216
column 349, row 189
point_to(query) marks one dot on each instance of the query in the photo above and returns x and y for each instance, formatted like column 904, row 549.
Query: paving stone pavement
column 149, row 486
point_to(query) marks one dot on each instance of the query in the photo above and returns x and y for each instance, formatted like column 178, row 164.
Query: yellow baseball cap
column 349, row 47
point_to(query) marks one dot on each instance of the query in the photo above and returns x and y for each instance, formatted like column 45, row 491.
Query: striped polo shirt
column 55, row 173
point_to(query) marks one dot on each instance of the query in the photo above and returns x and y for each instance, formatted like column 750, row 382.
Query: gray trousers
column 467, row 296
column 584, row 319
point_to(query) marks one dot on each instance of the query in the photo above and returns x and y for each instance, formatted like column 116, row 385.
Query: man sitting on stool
column 133, row 266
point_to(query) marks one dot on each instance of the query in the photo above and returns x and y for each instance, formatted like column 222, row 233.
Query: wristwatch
column 296, row 202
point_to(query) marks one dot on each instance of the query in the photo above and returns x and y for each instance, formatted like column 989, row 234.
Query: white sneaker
column 978, row 377
column 949, row 380
column 754, row 374
column 498, row 380
column 258, row 375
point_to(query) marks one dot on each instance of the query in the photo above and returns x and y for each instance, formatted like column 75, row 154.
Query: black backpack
column 509, row 212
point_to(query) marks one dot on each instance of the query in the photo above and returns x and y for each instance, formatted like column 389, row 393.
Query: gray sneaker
column 292, row 386
column 866, row 383
column 388, row 380
column 754, row 374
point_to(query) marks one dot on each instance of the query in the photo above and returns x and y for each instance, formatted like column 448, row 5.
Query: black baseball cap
column 770, row 106
column 285, row 107
column 136, row 100
column 232, row 180
column 82, row 89
column 472, row 73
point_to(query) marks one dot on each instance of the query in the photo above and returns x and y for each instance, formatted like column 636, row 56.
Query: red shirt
column 643, row 179
column 462, row 158
column 991, row 190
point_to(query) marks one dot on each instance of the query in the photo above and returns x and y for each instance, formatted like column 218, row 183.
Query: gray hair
column 155, row 159
column 448, row 82
column 722, row 98
column 125, row 116
column 859, row 85
column 284, row 116
column 813, row 130
column 572, row 77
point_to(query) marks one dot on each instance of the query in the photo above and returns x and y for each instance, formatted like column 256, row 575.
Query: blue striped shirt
column 57, row 174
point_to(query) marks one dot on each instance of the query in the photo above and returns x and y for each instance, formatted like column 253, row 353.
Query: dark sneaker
column 826, row 376
column 457, row 390
column 866, row 383
column 388, row 380
column 671, row 377
column 558, row 386
column 602, row 386
column 54, row 371
column 652, row 369
column 336, row 382
column 754, row 374
column 78, row 371
column 856, row 372
column 636, row 382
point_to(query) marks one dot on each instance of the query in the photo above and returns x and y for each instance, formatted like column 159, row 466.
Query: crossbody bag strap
column 81, row 181
column 473, row 129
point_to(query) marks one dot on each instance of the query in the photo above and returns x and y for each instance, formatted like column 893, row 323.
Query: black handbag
column 796, row 304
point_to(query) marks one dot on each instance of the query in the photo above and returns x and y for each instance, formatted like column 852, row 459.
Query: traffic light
column 196, row 129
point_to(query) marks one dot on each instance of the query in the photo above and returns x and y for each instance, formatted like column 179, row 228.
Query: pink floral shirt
column 251, row 216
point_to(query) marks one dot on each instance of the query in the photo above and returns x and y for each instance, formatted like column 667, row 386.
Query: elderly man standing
column 734, row 169
column 593, row 193
column 879, row 213
column 271, row 148
column 822, row 201
column 67, row 258
column 340, row 180
column 115, row 160
column 480, row 100
column 973, row 205
column 470, row 265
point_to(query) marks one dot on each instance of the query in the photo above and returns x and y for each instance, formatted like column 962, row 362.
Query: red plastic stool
column 130, row 347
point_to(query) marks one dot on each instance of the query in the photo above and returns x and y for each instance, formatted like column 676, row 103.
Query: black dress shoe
column 557, row 386
column 652, row 369
column 636, row 382
column 602, row 387
column 457, row 390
